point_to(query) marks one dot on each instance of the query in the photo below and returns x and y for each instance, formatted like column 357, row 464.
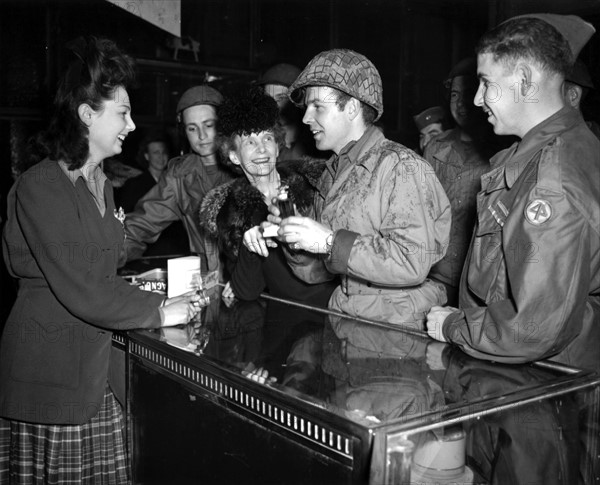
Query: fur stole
column 229, row 210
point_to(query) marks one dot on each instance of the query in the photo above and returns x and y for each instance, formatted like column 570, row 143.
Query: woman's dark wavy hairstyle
column 92, row 77
column 528, row 38
column 249, row 111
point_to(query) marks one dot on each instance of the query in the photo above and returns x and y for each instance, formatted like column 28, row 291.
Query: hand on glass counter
column 228, row 296
column 181, row 309
column 433, row 355
column 435, row 321
column 259, row 374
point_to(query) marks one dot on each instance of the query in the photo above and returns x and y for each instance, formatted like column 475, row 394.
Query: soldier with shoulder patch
column 530, row 287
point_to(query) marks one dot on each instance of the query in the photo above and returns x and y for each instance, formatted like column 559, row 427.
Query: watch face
column 329, row 243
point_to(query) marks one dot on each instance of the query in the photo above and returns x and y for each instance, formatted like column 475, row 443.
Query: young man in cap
column 530, row 288
column 381, row 218
column 460, row 156
column 430, row 123
column 179, row 192
column 275, row 82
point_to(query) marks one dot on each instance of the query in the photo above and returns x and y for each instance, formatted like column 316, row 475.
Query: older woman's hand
column 255, row 242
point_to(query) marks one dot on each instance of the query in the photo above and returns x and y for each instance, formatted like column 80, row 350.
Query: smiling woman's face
column 256, row 154
column 110, row 125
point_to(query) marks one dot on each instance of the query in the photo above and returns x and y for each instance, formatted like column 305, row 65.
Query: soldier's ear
column 574, row 93
column 353, row 108
column 524, row 75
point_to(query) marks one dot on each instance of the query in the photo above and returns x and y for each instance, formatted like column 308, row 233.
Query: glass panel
column 371, row 374
column 547, row 441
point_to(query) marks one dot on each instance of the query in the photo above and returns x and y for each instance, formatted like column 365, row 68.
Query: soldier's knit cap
column 345, row 70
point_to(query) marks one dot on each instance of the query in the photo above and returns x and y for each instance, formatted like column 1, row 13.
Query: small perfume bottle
column 285, row 205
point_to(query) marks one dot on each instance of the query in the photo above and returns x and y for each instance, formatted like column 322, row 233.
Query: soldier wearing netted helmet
column 380, row 217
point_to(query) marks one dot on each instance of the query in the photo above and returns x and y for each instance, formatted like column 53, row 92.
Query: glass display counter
column 268, row 392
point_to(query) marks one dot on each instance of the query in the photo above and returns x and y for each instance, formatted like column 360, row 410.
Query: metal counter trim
column 316, row 433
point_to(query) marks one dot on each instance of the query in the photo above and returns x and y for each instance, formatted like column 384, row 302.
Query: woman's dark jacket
column 56, row 345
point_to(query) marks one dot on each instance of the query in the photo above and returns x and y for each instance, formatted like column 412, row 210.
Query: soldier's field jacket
column 176, row 196
column 391, row 219
column 531, row 285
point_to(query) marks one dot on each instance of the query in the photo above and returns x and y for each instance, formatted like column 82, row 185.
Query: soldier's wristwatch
column 329, row 243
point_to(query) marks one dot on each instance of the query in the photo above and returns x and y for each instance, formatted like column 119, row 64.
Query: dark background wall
column 413, row 43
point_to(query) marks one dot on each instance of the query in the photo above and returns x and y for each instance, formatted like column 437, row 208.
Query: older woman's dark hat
column 248, row 111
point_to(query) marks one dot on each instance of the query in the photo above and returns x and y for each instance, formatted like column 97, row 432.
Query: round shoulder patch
column 538, row 211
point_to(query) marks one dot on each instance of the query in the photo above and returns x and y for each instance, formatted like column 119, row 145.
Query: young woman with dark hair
column 59, row 419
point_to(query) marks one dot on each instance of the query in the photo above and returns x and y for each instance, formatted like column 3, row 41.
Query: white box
column 270, row 231
column 183, row 275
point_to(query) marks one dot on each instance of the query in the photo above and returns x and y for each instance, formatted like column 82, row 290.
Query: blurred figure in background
column 153, row 154
column 460, row 156
column 275, row 81
column 576, row 88
column 430, row 122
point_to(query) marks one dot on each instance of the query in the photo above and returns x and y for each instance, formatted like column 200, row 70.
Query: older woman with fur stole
column 250, row 141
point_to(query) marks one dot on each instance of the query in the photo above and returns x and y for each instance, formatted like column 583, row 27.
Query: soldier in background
column 430, row 122
column 459, row 157
column 179, row 192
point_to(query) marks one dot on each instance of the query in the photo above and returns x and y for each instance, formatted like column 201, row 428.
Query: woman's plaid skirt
column 92, row 453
